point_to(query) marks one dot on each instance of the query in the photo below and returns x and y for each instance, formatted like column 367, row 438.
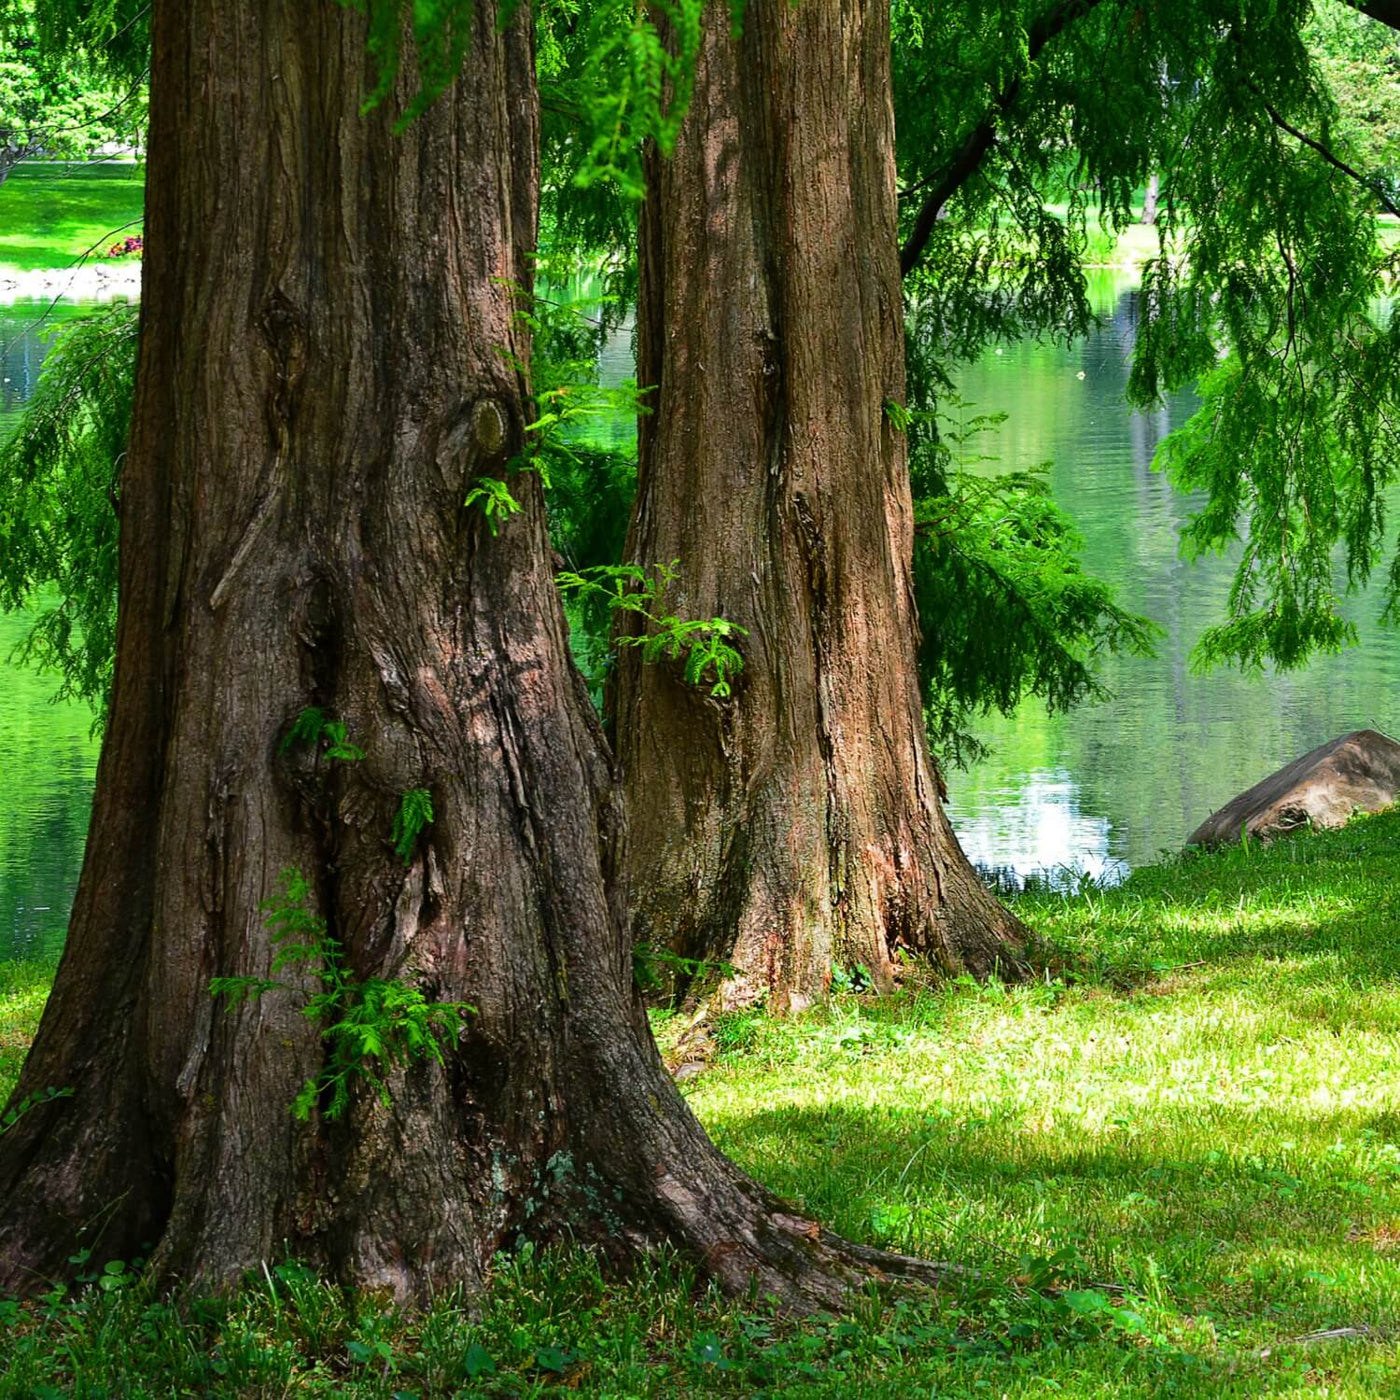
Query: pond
column 47, row 752
column 1097, row 790
column 1111, row 786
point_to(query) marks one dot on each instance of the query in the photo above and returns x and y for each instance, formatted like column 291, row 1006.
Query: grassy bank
column 1173, row 1159
column 51, row 214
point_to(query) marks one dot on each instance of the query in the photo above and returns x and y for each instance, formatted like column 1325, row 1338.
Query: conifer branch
column 968, row 160
column 1336, row 162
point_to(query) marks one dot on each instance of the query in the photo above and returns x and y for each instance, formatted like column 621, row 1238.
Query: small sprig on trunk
column 375, row 1022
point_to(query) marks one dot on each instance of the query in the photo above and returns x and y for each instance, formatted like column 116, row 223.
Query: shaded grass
column 50, row 214
column 1170, row 1157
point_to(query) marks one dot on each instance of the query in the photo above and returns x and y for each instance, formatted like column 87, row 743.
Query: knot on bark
column 490, row 427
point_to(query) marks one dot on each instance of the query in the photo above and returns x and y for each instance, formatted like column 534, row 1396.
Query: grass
column 1172, row 1158
column 51, row 214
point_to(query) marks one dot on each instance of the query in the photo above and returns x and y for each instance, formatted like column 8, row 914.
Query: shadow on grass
column 1172, row 1209
column 51, row 214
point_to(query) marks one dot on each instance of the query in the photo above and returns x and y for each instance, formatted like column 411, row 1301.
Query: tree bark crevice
column 770, row 469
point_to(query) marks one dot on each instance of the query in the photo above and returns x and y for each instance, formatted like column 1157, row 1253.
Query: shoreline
column 88, row 281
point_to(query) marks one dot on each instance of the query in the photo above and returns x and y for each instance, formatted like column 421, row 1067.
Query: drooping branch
column 973, row 151
column 1336, row 162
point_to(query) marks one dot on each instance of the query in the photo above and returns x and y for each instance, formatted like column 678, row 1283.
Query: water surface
column 1113, row 785
column 47, row 753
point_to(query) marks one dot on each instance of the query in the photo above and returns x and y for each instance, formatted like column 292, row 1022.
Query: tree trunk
column 797, row 826
column 321, row 380
column 1150, row 197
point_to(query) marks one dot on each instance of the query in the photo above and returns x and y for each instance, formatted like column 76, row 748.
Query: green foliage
column 55, row 98
column 1358, row 60
column 1029, row 124
column 370, row 1026
column 15, row 1112
column 313, row 729
column 492, row 496
column 111, row 35
column 414, row 816
column 566, row 337
column 635, row 83
column 1296, row 442
column 703, row 644
column 440, row 31
column 59, row 487
column 1006, row 607
column 655, row 968
column 624, row 70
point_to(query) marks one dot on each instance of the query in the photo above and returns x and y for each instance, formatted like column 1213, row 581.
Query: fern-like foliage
column 414, row 816
column 312, row 728
column 59, row 485
column 705, row 645
column 369, row 1026
column 493, row 498
column 1008, row 608
column 440, row 31
column 633, row 68
column 32, row 1101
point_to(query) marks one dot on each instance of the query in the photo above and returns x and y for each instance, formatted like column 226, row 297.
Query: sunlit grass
column 24, row 987
column 1170, row 1158
column 50, row 215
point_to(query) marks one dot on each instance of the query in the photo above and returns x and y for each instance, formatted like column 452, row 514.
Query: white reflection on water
column 1037, row 829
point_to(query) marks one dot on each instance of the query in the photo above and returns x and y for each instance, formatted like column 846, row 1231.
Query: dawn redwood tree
column 795, row 826
column 320, row 383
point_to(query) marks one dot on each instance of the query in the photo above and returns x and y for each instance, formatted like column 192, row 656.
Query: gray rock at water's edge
column 1359, row 772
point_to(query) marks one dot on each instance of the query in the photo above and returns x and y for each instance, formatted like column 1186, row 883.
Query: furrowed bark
column 797, row 826
column 321, row 382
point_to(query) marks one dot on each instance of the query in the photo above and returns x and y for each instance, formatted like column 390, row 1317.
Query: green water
column 47, row 756
column 1098, row 790
column 1113, row 785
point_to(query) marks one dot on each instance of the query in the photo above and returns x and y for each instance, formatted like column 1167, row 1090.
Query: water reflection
column 1143, row 770
column 1040, row 823
column 47, row 754
column 1092, row 791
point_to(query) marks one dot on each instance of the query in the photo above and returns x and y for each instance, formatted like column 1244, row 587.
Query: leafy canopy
column 1026, row 128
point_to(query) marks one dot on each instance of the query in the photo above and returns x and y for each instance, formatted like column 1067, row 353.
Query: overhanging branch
column 1374, row 186
column 980, row 139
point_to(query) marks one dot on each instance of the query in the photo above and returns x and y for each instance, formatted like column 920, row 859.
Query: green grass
column 50, row 215
column 1170, row 1159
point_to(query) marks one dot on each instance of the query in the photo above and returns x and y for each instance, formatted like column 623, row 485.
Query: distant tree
column 1359, row 58
column 61, row 106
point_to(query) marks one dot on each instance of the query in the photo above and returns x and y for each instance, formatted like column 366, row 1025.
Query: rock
column 1360, row 772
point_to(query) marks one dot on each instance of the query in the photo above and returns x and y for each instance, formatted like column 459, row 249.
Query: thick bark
column 321, row 380
column 796, row 826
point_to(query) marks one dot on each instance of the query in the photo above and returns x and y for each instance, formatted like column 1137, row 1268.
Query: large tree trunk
column 795, row 827
column 321, row 380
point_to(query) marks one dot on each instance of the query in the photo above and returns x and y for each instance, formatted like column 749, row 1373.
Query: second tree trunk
column 795, row 827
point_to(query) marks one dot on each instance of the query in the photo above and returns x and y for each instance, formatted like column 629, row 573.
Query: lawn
column 1171, row 1159
column 51, row 214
